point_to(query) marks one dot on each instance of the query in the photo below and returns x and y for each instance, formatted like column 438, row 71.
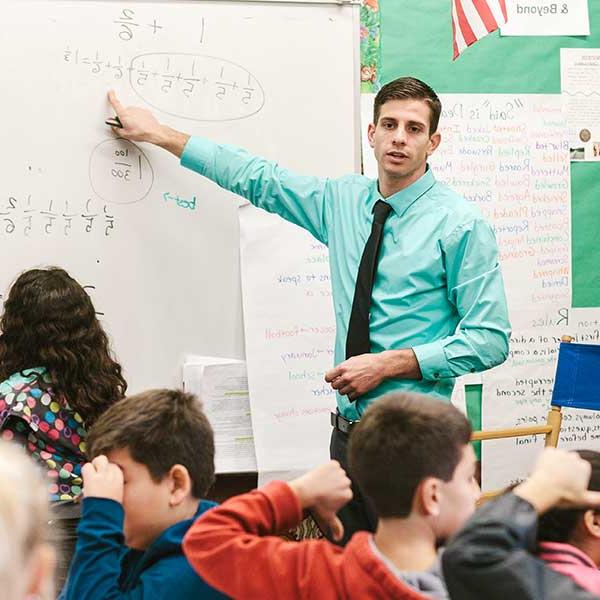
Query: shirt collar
column 402, row 200
column 562, row 552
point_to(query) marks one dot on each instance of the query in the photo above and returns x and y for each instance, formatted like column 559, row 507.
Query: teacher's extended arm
column 140, row 125
column 301, row 199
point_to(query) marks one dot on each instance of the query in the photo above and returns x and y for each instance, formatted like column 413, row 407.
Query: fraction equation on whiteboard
column 196, row 87
column 120, row 172
column 128, row 22
column 24, row 215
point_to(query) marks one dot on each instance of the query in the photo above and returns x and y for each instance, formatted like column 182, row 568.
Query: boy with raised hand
column 152, row 461
column 412, row 457
column 491, row 557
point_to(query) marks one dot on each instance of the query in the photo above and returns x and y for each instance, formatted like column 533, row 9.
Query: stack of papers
column 222, row 386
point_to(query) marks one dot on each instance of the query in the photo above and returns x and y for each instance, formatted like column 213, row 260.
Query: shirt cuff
column 432, row 361
column 198, row 154
column 103, row 509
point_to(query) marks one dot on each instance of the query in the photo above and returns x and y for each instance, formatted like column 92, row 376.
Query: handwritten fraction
column 24, row 215
column 120, row 172
column 195, row 87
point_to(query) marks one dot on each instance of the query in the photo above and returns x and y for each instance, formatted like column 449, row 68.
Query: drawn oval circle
column 119, row 172
column 196, row 87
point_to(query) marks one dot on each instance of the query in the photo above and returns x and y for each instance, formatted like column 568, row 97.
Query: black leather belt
column 342, row 424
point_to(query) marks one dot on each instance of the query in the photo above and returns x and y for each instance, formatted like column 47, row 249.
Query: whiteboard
column 157, row 245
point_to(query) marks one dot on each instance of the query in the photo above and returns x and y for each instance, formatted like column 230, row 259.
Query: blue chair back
column 577, row 381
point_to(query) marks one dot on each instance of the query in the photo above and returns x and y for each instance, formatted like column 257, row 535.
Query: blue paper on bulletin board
column 577, row 384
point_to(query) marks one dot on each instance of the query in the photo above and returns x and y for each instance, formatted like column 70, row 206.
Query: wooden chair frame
column 551, row 430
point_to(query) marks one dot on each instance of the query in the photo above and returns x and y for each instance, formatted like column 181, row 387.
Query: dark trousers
column 359, row 514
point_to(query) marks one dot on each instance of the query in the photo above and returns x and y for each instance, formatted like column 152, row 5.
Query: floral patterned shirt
column 52, row 433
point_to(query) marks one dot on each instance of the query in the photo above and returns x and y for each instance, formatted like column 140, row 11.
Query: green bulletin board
column 416, row 39
column 585, row 225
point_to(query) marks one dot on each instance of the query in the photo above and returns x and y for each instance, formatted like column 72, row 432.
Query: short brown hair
column 160, row 428
column 409, row 88
column 401, row 440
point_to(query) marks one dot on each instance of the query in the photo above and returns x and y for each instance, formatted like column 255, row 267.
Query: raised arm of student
column 235, row 549
column 302, row 200
column 491, row 556
column 99, row 535
column 96, row 569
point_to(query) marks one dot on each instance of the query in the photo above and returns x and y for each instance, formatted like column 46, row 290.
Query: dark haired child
column 569, row 539
column 410, row 455
column 57, row 376
column 152, row 461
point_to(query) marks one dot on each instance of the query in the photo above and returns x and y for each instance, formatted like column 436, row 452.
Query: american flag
column 474, row 19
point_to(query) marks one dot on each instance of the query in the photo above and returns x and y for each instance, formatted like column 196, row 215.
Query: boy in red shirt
column 410, row 455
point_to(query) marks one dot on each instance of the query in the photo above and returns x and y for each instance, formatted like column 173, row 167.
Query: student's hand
column 140, row 125
column 324, row 491
column 102, row 479
column 561, row 479
column 360, row 374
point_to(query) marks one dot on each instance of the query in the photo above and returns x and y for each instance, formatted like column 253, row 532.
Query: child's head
column 580, row 528
column 49, row 321
column 411, row 456
column 164, row 445
column 26, row 557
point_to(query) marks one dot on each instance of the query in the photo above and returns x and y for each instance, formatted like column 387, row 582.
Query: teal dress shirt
column 438, row 288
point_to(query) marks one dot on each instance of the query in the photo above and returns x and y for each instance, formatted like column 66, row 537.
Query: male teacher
column 417, row 288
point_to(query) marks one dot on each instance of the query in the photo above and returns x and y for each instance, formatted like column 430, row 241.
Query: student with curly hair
column 57, row 376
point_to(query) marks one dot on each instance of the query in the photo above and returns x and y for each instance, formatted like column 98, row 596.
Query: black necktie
column 357, row 341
